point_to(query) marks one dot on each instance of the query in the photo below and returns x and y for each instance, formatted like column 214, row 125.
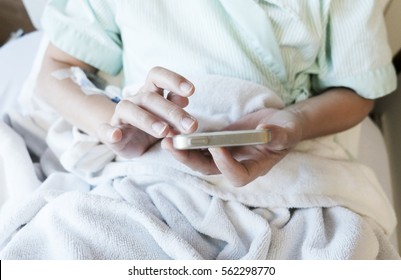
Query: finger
column 160, row 79
column 238, row 173
column 279, row 140
column 166, row 110
column 109, row 134
column 195, row 159
column 249, row 121
column 178, row 99
column 132, row 114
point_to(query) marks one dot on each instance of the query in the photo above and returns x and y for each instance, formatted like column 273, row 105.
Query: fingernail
column 187, row 122
column 159, row 127
column 113, row 135
column 110, row 135
column 186, row 87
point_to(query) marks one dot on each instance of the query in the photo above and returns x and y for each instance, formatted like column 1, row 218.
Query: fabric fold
column 317, row 203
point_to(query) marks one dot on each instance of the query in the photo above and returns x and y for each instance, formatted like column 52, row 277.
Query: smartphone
column 221, row 139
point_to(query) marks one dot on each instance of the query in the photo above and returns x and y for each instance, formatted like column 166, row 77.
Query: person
column 322, row 59
column 115, row 187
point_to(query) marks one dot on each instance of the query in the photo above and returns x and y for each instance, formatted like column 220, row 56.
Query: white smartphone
column 221, row 139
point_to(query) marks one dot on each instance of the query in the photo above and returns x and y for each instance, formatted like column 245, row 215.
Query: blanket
column 79, row 201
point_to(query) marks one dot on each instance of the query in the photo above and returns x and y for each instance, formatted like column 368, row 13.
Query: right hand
column 243, row 164
column 142, row 119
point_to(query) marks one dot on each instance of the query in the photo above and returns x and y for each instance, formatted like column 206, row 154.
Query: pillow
column 16, row 60
column 35, row 10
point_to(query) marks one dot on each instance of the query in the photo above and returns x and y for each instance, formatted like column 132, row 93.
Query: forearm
column 333, row 111
column 83, row 111
column 133, row 125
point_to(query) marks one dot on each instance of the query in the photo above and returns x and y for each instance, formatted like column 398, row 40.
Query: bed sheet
column 19, row 64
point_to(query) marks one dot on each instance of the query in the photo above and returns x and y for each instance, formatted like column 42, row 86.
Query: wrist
column 300, row 120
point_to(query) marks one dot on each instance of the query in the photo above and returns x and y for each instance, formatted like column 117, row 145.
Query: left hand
column 241, row 165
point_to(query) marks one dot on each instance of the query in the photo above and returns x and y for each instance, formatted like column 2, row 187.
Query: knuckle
column 122, row 105
column 156, row 69
column 141, row 118
column 155, row 72
column 175, row 113
column 128, row 108
column 142, row 97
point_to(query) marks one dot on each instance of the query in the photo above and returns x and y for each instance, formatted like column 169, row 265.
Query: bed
column 371, row 141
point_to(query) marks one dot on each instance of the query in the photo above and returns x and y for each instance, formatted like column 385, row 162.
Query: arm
column 333, row 111
column 130, row 127
column 67, row 98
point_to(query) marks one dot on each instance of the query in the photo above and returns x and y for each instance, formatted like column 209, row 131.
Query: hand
column 142, row 119
column 242, row 165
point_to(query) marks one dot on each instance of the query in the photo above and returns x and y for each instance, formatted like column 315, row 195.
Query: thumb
column 109, row 134
column 280, row 139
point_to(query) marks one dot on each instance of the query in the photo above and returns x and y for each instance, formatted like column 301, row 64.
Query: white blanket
column 317, row 203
